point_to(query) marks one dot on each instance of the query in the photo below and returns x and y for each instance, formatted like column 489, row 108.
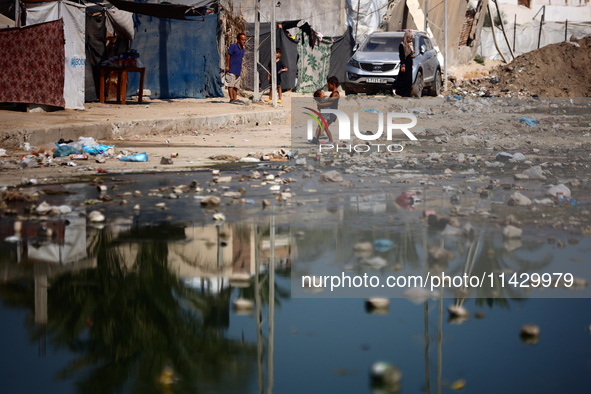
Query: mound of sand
column 556, row 70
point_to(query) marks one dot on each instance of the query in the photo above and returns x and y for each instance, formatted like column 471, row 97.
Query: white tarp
column 74, row 16
column 526, row 39
column 368, row 19
column 418, row 16
column 5, row 22
column 120, row 23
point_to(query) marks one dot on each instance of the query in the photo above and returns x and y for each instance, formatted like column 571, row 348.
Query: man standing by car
column 234, row 67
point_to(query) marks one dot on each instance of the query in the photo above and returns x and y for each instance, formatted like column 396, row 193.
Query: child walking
column 280, row 70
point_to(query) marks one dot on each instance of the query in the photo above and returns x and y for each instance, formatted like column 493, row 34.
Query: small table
column 122, row 82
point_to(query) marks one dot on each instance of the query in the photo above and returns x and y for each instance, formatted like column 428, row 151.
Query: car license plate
column 377, row 80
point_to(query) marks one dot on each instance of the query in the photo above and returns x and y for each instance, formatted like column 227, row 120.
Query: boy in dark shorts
column 280, row 70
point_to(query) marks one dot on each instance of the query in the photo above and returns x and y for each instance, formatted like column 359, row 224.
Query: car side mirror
column 423, row 49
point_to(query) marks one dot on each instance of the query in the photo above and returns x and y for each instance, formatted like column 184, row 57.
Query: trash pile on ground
column 255, row 157
column 556, row 70
column 70, row 153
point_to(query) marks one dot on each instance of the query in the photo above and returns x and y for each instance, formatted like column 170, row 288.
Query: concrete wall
column 327, row 17
column 556, row 10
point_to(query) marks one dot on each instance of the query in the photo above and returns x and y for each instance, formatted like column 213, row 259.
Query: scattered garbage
column 561, row 191
column 407, row 200
column 211, row 201
column 249, row 160
column 65, row 150
column 458, row 385
column 565, row 201
column 140, row 157
column 458, row 311
column 519, row 199
column 535, row 173
column 530, row 334
column 98, row 149
column 383, row 245
column 377, row 305
column 385, row 376
column 331, row 176
column 510, row 232
column 527, row 121
column 243, row 305
column 96, row 217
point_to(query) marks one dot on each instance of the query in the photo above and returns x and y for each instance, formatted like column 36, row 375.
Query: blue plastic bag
column 65, row 150
column 528, row 121
column 139, row 157
column 383, row 245
column 97, row 149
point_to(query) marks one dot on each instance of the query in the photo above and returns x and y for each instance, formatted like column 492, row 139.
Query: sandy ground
column 474, row 69
column 469, row 124
column 480, row 124
column 193, row 147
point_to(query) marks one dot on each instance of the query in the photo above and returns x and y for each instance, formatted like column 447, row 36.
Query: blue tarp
column 181, row 58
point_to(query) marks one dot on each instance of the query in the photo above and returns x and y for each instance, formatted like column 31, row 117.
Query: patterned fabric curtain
column 313, row 63
column 32, row 64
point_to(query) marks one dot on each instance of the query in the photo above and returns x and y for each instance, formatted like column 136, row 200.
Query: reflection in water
column 149, row 307
column 144, row 304
column 131, row 321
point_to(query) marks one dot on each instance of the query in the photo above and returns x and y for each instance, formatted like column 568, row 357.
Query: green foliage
column 479, row 59
column 497, row 20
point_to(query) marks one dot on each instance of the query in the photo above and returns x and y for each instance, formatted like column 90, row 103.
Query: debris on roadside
column 140, row 157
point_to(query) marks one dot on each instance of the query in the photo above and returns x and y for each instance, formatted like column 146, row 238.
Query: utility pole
column 445, row 63
column 17, row 13
column 426, row 13
column 492, row 27
column 503, row 28
column 257, row 30
column 273, row 48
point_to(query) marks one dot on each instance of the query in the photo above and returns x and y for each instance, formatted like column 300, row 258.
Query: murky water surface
column 146, row 301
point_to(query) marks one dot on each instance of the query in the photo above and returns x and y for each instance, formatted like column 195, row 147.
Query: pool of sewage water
column 179, row 298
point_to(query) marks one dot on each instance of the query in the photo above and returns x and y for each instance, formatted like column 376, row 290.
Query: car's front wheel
column 435, row 89
column 417, row 87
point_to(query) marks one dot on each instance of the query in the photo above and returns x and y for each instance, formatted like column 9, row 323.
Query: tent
column 289, row 55
column 180, row 56
column 321, row 57
column 30, row 58
column 74, row 16
column 177, row 46
column 308, row 65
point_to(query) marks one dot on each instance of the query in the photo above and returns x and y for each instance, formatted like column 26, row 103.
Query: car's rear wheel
column 417, row 87
column 435, row 89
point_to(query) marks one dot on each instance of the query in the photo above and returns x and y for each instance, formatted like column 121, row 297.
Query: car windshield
column 381, row 44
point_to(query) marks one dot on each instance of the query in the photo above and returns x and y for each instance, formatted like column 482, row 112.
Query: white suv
column 375, row 65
